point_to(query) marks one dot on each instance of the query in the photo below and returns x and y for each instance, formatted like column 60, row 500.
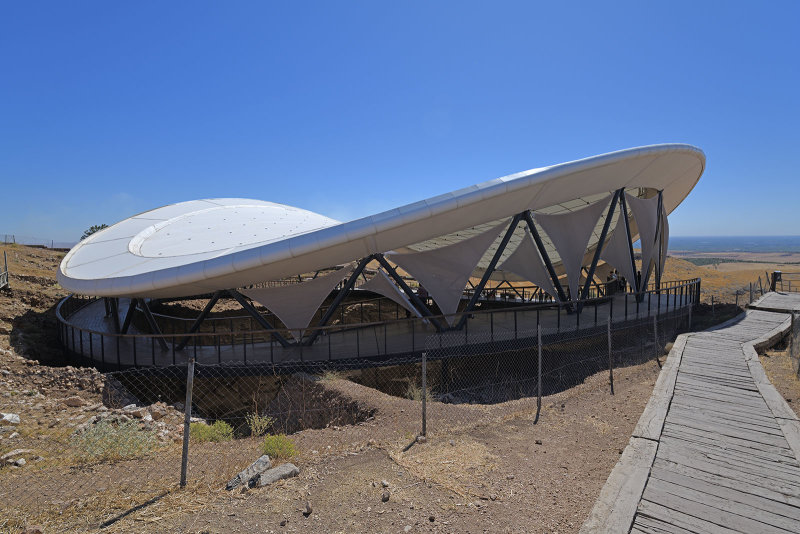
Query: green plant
column 414, row 392
column 279, row 447
column 108, row 442
column 218, row 431
column 330, row 375
column 259, row 424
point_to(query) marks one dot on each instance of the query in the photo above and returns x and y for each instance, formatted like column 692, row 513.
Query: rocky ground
column 482, row 468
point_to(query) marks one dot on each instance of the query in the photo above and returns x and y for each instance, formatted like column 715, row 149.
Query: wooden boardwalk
column 717, row 450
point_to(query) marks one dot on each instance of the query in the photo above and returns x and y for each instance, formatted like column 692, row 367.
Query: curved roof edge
column 674, row 168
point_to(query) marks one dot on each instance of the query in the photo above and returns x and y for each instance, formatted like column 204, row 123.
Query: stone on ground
column 278, row 473
column 249, row 475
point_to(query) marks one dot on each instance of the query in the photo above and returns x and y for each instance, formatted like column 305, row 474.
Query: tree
column 93, row 229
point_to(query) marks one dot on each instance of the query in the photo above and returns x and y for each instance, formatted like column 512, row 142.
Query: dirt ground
column 782, row 372
column 482, row 469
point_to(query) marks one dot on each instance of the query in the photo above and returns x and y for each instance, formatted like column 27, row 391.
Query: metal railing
column 784, row 281
column 4, row 273
column 237, row 339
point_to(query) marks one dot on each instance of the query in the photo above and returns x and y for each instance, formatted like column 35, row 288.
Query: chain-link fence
column 794, row 343
column 540, row 363
column 147, row 430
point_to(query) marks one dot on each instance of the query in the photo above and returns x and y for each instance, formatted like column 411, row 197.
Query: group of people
column 620, row 284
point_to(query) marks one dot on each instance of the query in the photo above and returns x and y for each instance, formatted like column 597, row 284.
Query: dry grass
column 457, row 467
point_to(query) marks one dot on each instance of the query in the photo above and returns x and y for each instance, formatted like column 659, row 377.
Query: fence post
column 690, row 318
column 610, row 358
column 655, row 337
column 538, row 373
column 751, row 292
column 424, row 394
column 187, row 419
column 793, row 346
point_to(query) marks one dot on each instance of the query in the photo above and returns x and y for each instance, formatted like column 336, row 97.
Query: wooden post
column 187, row 418
column 538, row 373
column 424, row 393
column 610, row 358
column 655, row 337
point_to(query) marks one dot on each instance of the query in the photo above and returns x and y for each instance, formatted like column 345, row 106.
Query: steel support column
column 660, row 235
column 151, row 321
column 624, row 206
column 249, row 308
column 128, row 317
column 489, row 270
column 546, row 258
column 348, row 286
column 646, row 275
column 415, row 300
column 200, row 318
column 114, row 304
column 599, row 249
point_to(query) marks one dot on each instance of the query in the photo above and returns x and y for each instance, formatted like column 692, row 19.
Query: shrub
column 279, row 447
column 218, row 431
column 414, row 392
column 259, row 424
column 108, row 442
column 331, row 375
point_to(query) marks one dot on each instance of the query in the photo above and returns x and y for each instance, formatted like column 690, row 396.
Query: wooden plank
column 770, row 427
column 732, row 399
column 731, row 496
column 615, row 508
column 734, row 457
column 648, row 525
column 654, row 513
column 765, row 480
column 719, row 480
column 743, row 468
column 697, row 510
column 651, row 421
column 724, row 410
column 728, row 430
column 701, row 435
column 657, row 489
column 691, row 383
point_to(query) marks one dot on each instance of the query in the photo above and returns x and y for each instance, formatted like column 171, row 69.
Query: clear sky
column 349, row 108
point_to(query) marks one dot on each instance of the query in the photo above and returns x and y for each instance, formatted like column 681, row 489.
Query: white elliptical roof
column 199, row 246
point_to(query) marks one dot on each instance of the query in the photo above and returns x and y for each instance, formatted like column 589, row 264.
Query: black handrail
column 678, row 294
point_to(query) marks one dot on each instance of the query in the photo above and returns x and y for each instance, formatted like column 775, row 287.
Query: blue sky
column 110, row 108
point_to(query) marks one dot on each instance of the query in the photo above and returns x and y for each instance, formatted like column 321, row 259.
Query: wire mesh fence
column 150, row 429
column 794, row 343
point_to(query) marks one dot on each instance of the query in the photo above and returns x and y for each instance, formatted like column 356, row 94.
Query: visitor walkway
column 717, row 448
column 90, row 333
